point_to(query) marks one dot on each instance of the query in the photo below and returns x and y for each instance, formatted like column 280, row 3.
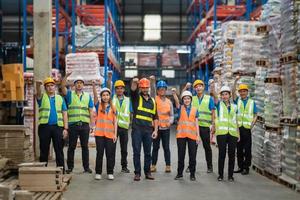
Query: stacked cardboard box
column 15, row 144
column 12, row 86
column 41, row 178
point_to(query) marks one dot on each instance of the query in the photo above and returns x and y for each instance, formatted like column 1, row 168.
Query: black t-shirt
column 146, row 104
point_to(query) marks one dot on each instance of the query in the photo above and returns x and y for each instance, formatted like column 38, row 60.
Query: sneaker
column 238, row 171
column 187, row 170
column 220, row 178
column 168, row 169
column 137, row 177
column 192, row 177
column 88, row 171
column 153, row 168
column 230, row 179
column 110, row 177
column 245, row 172
column 98, row 176
column 178, row 177
column 69, row 171
column 149, row 177
column 125, row 170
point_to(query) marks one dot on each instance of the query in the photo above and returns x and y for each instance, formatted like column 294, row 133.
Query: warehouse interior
column 222, row 43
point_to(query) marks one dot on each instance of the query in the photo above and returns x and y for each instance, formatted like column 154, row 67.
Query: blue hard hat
column 161, row 84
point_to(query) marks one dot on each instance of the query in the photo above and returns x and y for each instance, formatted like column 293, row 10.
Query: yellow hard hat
column 49, row 80
column 243, row 87
column 119, row 83
column 196, row 82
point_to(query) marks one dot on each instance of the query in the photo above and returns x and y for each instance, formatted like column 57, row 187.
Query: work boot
column 69, row 171
column 168, row 169
column 137, row 177
column 209, row 170
column 187, row 170
column 88, row 171
column 178, row 177
column 192, row 177
column 245, row 172
column 153, row 168
column 149, row 176
column 220, row 178
column 230, row 179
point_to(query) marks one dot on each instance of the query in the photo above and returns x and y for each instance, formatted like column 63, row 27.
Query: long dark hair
column 102, row 105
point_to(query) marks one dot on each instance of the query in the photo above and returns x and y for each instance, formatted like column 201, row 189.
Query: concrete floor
column 253, row 186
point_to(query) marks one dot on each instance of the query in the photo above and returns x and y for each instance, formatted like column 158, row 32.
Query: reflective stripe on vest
column 78, row 110
column 123, row 110
column 163, row 111
column 245, row 113
column 204, row 119
column 44, row 110
column 187, row 126
column 145, row 113
column 226, row 122
column 105, row 124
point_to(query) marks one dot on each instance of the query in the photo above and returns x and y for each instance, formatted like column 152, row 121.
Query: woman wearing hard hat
column 187, row 133
column 105, row 133
column 227, row 132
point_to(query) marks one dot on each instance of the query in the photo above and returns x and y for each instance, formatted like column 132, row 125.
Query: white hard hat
column 186, row 93
column 225, row 88
column 105, row 89
column 78, row 78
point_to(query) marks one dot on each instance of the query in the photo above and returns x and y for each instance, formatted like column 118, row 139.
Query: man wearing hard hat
column 53, row 121
column 80, row 114
column 247, row 116
column 123, row 107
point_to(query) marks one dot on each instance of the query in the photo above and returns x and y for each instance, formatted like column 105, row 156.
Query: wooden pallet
column 288, row 58
column 288, row 121
column 262, row 63
column 260, row 119
column 11, row 182
column 273, row 127
column 288, row 182
column 263, row 29
column 271, row 176
column 275, row 80
column 258, row 170
column 239, row 73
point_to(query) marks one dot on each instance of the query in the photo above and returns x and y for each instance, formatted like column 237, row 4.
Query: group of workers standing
column 151, row 114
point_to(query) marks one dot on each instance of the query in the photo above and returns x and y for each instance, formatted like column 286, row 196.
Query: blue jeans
column 141, row 135
column 164, row 136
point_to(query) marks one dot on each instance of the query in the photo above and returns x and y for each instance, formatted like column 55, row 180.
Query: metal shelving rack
column 200, row 14
column 66, row 14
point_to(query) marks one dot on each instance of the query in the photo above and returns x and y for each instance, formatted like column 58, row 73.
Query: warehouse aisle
column 254, row 186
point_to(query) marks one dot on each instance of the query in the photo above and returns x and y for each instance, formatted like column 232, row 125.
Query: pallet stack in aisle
column 15, row 144
column 289, row 49
column 258, row 139
column 28, row 110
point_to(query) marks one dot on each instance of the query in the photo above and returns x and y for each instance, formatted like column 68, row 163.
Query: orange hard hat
column 144, row 83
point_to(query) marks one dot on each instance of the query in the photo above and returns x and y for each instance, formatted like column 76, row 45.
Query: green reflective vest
column 78, row 110
column 226, row 122
column 245, row 113
column 123, row 111
column 204, row 119
column 44, row 110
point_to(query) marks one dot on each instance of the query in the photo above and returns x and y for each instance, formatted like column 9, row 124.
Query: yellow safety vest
column 245, row 113
column 123, row 111
column 78, row 110
column 226, row 122
column 44, row 110
column 203, row 110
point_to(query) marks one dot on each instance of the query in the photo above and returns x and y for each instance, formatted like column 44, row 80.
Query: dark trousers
column 46, row 134
column 141, row 135
column 192, row 149
column 164, row 136
column 123, row 135
column 224, row 142
column 107, row 144
column 244, row 155
column 83, row 132
column 205, row 138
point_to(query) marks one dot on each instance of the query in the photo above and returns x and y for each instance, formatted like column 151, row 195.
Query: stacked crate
column 12, row 85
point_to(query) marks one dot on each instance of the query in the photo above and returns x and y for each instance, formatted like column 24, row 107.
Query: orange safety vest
column 187, row 127
column 105, row 124
column 163, row 111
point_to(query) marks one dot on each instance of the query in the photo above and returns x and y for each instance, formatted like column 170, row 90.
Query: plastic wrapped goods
column 91, row 37
column 85, row 65
column 273, row 104
column 234, row 29
column 298, row 89
column 272, row 149
column 258, row 137
column 289, row 152
column 259, row 92
column 289, row 89
column 270, row 9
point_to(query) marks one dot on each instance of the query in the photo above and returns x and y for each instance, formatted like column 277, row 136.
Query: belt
column 80, row 123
